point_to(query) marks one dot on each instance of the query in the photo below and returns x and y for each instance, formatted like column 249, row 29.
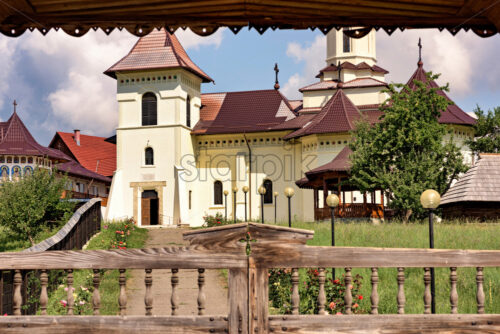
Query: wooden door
column 146, row 211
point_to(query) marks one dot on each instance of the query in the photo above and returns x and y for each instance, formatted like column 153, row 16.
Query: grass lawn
column 109, row 287
column 415, row 235
column 9, row 243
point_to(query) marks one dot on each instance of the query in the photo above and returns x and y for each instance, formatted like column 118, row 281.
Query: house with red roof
column 182, row 154
column 21, row 154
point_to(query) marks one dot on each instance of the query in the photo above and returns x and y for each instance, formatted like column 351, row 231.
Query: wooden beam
column 113, row 324
column 414, row 323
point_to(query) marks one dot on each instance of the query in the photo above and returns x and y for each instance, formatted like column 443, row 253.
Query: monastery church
column 179, row 150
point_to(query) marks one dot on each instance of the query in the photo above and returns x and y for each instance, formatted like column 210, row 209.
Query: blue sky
column 58, row 81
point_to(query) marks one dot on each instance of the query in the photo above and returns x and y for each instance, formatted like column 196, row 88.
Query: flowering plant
column 217, row 220
column 280, row 291
column 121, row 234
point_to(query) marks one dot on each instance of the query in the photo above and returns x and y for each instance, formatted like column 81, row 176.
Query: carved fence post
column 174, row 300
column 148, row 298
column 295, row 291
column 427, row 291
column 238, row 305
column 122, row 300
column 71, row 300
column 201, row 293
column 348, row 292
column 321, row 294
column 453, row 290
column 18, row 298
column 480, row 291
column 96, row 297
column 258, row 298
column 374, row 296
column 44, row 298
column 401, row 291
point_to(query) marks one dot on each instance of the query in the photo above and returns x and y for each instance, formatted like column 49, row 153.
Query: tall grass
column 453, row 235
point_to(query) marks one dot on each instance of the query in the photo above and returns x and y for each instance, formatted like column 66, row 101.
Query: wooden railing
column 248, row 251
column 351, row 210
column 84, row 223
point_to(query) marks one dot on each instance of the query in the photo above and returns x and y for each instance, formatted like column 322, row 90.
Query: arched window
column 188, row 112
column 149, row 109
column 149, row 156
column 346, row 41
column 268, row 196
column 218, row 193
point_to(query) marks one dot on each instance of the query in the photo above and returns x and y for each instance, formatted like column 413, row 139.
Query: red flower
column 360, row 297
column 336, row 281
column 332, row 305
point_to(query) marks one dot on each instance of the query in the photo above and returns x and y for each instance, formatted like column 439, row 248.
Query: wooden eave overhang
column 204, row 17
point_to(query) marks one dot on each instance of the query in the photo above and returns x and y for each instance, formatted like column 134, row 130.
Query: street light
column 275, row 205
column 235, row 190
column 245, row 190
column 225, row 204
column 262, row 192
column 430, row 200
column 333, row 201
column 289, row 192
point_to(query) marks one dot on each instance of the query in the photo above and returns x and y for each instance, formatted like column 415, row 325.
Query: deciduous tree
column 487, row 131
column 408, row 151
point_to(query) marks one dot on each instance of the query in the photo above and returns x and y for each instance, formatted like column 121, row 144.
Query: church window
column 23, row 160
column 149, row 156
column 346, row 42
column 149, row 110
column 16, row 160
column 9, row 160
column 268, row 196
column 218, row 193
column 188, row 112
column 2, row 159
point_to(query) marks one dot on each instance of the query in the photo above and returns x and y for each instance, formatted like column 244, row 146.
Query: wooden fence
column 84, row 223
column 269, row 247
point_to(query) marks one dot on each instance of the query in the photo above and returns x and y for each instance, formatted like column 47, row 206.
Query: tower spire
column 420, row 63
column 15, row 105
column 276, row 83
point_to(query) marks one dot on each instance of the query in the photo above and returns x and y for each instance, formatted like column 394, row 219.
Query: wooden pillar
column 258, row 295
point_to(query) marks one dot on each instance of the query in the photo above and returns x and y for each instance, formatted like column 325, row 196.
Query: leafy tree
column 33, row 204
column 487, row 129
column 406, row 152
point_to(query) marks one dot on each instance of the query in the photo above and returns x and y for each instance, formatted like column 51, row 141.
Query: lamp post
column 275, row 205
column 430, row 200
column 289, row 192
column 333, row 201
column 245, row 190
column 262, row 192
column 235, row 190
column 225, row 204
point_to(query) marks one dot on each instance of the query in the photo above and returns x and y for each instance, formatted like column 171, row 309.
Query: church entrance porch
column 149, row 205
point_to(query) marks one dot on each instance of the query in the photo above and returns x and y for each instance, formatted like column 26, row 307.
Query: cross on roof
column 276, row 83
column 419, row 49
column 339, row 68
column 15, row 104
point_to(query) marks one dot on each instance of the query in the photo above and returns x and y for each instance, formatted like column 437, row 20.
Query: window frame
column 268, row 196
column 150, row 116
column 146, row 150
column 218, row 193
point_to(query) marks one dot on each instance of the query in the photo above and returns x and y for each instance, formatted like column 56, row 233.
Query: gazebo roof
column 76, row 17
column 481, row 183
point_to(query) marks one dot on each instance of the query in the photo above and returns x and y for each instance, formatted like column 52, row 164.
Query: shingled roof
column 157, row 50
column 340, row 163
column 354, row 83
column 453, row 114
column 338, row 115
column 94, row 153
column 74, row 168
column 17, row 140
column 239, row 112
column 350, row 66
column 481, row 183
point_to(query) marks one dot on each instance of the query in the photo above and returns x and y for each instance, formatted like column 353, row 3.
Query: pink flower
column 66, row 289
column 355, row 305
column 332, row 305
column 81, row 302
column 5, row 315
column 64, row 303
column 338, row 313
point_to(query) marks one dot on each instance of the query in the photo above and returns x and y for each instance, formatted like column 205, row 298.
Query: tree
column 33, row 203
column 406, row 152
column 487, row 132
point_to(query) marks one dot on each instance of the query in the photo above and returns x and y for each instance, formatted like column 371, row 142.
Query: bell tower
column 340, row 47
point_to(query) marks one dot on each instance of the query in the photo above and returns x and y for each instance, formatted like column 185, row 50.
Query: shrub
column 280, row 292
column 217, row 220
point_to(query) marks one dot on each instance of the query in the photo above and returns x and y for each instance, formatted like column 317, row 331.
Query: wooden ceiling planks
column 205, row 16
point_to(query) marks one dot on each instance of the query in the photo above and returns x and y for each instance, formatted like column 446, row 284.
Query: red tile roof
column 16, row 139
column 238, row 112
column 341, row 163
column 295, row 123
column 157, row 50
column 93, row 153
column 453, row 114
column 338, row 115
column 351, row 66
column 74, row 168
column 355, row 83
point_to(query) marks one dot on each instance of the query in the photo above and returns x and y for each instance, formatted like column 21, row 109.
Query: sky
column 59, row 84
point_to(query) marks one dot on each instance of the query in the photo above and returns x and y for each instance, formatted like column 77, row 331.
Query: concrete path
column 187, row 290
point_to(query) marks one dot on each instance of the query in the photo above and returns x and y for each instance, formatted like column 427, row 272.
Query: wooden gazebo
column 334, row 176
column 204, row 17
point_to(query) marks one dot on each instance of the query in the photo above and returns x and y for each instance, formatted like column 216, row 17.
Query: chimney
column 77, row 137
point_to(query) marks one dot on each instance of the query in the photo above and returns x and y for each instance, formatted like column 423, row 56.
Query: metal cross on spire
column 276, row 83
column 15, row 105
column 419, row 50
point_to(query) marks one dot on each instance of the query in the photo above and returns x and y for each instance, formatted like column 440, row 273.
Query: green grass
column 9, row 243
column 109, row 287
column 415, row 235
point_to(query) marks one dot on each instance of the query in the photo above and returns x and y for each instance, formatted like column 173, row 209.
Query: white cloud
column 7, row 49
column 313, row 57
column 85, row 98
